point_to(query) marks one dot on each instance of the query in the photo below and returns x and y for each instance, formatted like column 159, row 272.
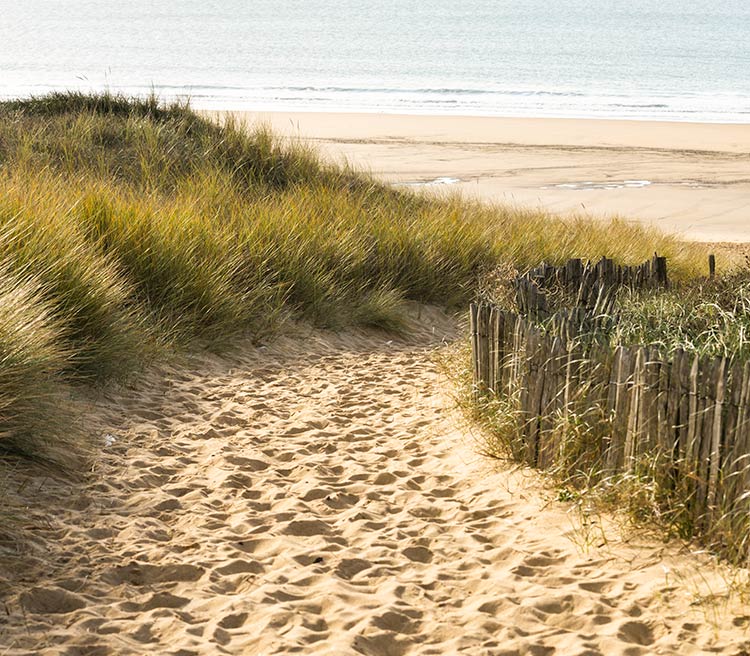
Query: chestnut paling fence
column 679, row 418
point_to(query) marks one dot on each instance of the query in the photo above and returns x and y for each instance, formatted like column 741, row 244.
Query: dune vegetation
column 130, row 228
column 709, row 317
column 701, row 321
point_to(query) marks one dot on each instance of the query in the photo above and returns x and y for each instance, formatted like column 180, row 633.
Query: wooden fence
column 585, row 284
column 678, row 417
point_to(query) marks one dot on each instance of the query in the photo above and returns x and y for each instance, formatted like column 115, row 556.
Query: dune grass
column 707, row 317
column 35, row 406
column 129, row 227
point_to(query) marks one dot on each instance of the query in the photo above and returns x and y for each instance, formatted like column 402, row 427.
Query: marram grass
column 35, row 405
column 708, row 317
column 128, row 226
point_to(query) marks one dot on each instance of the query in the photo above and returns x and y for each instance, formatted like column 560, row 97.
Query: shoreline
column 688, row 178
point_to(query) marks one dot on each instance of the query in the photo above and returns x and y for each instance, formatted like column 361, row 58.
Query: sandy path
column 316, row 497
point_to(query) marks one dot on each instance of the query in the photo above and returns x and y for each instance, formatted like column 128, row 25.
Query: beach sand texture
column 688, row 178
column 318, row 496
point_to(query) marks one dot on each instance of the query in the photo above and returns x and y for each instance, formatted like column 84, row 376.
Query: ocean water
column 683, row 60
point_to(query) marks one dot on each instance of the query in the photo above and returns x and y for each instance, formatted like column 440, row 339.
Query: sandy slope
column 689, row 178
column 317, row 497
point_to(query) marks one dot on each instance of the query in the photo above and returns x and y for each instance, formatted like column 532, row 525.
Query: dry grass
column 137, row 227
column 706, row 317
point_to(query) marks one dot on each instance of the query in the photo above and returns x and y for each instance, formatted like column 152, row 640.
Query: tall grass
column 662, row 484
column 143, row 225
column 35, row 408
column 708, row 317
column 84, row 290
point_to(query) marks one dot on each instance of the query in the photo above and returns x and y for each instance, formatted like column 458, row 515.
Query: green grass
column 136, row 227
column 35, row 407
column 707, row 317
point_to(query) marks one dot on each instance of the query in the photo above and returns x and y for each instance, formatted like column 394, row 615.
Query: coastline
column 264, row 404
column 688, row 178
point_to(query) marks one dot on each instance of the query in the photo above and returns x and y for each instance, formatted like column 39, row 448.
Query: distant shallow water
column 610, row 184
column 669, row 60
column 437, row 182
column 638, row 184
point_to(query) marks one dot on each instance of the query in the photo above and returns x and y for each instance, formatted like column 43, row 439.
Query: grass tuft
column 36, row 416
column 708, row 317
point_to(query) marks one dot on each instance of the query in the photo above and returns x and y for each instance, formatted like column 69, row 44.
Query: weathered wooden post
column 473, row 330
column 717, row 430
column 659, row 267
column 711, row 266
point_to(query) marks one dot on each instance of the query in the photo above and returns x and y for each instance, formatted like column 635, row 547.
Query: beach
column 258, row 398
column 321, row 495
column 319, row 482
column 689, row 178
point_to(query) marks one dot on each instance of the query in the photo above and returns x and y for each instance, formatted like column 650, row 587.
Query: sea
column 673, row 60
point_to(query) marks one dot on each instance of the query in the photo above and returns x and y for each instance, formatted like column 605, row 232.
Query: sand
column 320, row 495
column 689, row 178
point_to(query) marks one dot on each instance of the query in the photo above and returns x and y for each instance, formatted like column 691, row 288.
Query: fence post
column 473, row 311
column 633, row 434
column 659, row 268
column 718, row 384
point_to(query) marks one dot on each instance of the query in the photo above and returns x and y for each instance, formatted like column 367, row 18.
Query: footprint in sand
column 56, row 601
column 321, row 500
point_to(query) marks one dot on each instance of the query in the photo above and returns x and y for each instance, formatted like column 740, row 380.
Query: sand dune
column 688, row 178
column 317, row 496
